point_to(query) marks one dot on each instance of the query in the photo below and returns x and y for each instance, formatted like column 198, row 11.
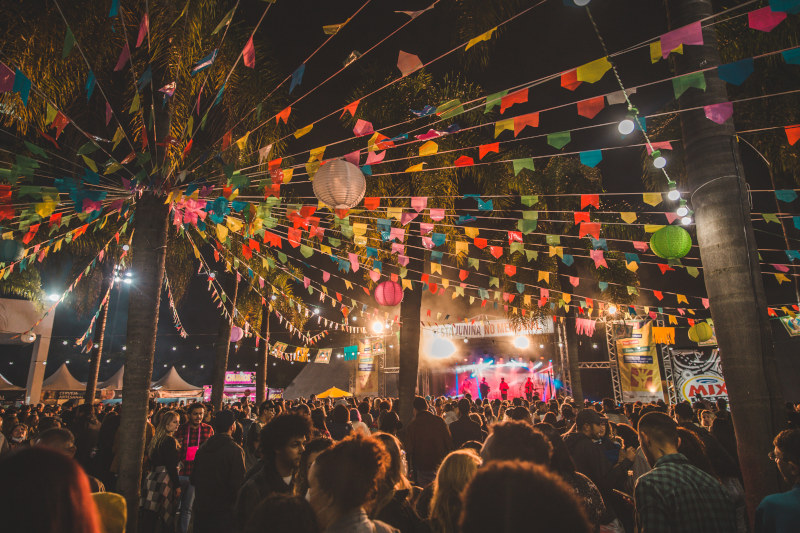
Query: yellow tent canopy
column 334, row 392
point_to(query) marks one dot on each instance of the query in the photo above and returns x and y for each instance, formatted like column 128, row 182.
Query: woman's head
column 44, row 491
column 397, row 470
column 345, row 477
column 314, row 447
column 340, row 414
column 561, row 460
column 168, row 422
column 455, row 472
column 18, row 433
column 388, row 422
column 281, row 513
column 498, row 499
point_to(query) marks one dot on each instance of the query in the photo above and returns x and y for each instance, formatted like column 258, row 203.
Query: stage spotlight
column 52, row 297
column 541, row 346
column 522, row 342
column 441, row 348
column 612, row 309
column 594, row 345
column 466, row 340
column 377, row 326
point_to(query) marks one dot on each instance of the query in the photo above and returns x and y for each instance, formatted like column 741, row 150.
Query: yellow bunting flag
column 682, row 298
column 556, row 250
column 482, row 37
column 503, row 125
column 544, row 276
column 436, row 268
column 655, row 51
column 406, row 284
column 416, row 168
column 594, row 71
column 359, row 228
column 302, row 131
column 462, row 247
column 652, row 198
column 316, row 154
column 567, row 297
column 672, row 319
column 471, row 232
column 287, row 174
column 242, row 142
column 780, row 278
column 628, row 216
column 222, row 232
column 633, row 266
column 429, row 148
column 89, row 163
column 652, row 228
column 394, row 212
column 233, row 224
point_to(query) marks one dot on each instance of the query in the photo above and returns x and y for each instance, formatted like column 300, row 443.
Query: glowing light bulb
column 581, row 3
column 686, row 221
column 626, row 126
column 612, row 309
column 674, row 195
column 126, row 247
column 682, row 211
column 377, row 327
column 659, row 162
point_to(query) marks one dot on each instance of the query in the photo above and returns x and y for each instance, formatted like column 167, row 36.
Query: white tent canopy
column 115, row 381
column 172, row 381
column 7, row 385
column 62, row 380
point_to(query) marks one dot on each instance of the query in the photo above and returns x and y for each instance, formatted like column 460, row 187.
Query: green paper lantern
column 10, row 250
column 671, row 242
column 700, row 332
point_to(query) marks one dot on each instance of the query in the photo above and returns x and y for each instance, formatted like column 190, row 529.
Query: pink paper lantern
column 236, row 334
column 388, row 294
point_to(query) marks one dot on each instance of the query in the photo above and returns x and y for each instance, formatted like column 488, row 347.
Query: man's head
column 787, row 455
column 609, row 405
column 224, row 422
column 284, row 439
column 502, row 379
column 420, row 404
column 658, row 435
column 591, row 423
column 196, row 412
column 463, row 407
column 722, row 404
column 515, row 440
column 684, row 413
column 59, row 439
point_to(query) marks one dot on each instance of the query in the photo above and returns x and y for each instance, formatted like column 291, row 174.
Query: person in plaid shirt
column 190, row 437
column 676, row 496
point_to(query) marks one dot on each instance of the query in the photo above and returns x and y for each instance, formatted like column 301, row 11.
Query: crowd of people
column 460, row 465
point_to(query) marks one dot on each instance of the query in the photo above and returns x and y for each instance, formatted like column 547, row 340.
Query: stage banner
column 792, row 325
column 278, row 348
column 481, row 327
column 324, row 356
column 698, row 373
column 367, row 368
column 639, row 376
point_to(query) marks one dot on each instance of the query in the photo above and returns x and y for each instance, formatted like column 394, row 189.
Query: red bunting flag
column 226, row 139
column 283, row 115
column 581, row 216
column 792, row 134
column 351, row 108
column 464, row 161
column 480, row 242
column 249, row 54
column 591, row 107
column 590, row 199
column 496, row 251
column 569, row 80
column 520, row 122
column 519, row 97
column 659, row 295
column 510, row 270
column 371, row 203
column 487, row 148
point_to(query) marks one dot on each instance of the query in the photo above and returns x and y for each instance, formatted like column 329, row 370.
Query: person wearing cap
column 217, row 476
column 585, row 446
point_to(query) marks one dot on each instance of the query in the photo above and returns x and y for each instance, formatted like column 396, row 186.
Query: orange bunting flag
column 569, row 80
column 590, row 200
column 487, row 148
column 663, row 335
column 591, row 107
column 464, row 161
column 283, row 115
column 519, row 97
column 371, row 203
column 351, row 108
column 792, row 134
column 520, row 122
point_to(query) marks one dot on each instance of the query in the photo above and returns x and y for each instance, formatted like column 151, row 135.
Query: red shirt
column 188, row 436
column 503, row 386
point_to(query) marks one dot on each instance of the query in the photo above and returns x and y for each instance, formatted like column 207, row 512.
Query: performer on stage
column 503, row 389
column 484, row 389
column 529, row 389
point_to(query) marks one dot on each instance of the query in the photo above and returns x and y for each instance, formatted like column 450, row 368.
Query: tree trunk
column 571, row 345
column 149, row 253
column 410, row 328
column 730, row 262
column 99, row 337
column 222, row 349
column 261, row 360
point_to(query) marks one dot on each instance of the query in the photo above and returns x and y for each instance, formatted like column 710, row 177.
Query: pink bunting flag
column 670, row 217
column 353, row 157
column 397, row 233
column 326, row 276
column 398, row 248
column 353, row 261
column 108, row 113
column 306, row 281
column 689, row 34
column 249, row 54
column 436, row 214
column 719, row 113
column 418, row 203
column 765, row 19
column 406, row 217
column 362, row 128
column 374, row 275
column 375, row 157
column 599, row 260
column 427, row 242
column 585, row 326
column 640, row 245
column 425, row 227
column 574, row 281
column 705, row 302
column 402, row 260
column 431, row 134
column 780, row 268
column 408, row 63
column 144, row 29
column 123, row 57
column 665, row 145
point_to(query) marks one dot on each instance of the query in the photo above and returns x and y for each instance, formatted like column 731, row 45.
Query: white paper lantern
column 339, row 184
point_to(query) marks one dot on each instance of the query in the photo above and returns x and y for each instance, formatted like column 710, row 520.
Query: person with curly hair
column 343, row 482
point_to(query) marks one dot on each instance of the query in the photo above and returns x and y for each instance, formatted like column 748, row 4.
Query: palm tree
column 730, row 260
column 223, row 344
